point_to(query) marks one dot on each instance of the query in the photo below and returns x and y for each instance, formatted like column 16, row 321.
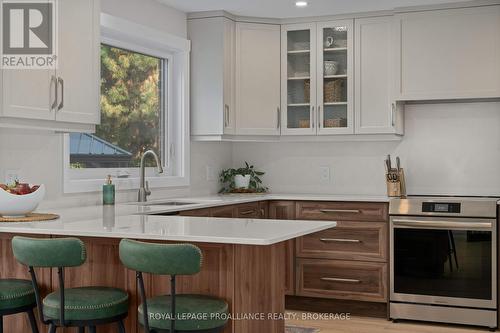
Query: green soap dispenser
column 108, row 192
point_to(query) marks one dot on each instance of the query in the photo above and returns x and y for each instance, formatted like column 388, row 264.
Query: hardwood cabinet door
column 257, row 79
column 341, row 279
column 248, row 210
column 285, row 210
column 349, row 241
column 449, row 54
column 79, row 61
column 376, row 112
column 196, row 212
column 223, row 211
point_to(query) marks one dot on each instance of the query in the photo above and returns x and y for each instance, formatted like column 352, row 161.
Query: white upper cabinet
column 257, row 79
column 298, row 79
column 66, row 98
column 375, row 109
column 212, row 76
column 318, row 78
column 335, row 77
column 449, row 54
column 78, row 70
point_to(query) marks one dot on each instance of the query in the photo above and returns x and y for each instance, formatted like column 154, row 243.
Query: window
column 144, row 105
column 132, row 112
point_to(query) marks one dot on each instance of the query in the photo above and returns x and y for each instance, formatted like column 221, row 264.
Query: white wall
column 38, row 155
column 447, row 149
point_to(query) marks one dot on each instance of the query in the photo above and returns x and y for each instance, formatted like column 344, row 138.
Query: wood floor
column 374, row 325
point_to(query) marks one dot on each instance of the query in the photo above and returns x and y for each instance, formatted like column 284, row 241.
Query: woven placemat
column 33, row 217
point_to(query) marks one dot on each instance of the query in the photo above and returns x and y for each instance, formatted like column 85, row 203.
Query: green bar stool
column 17, row 296
column 69, row 307
column 172, row 313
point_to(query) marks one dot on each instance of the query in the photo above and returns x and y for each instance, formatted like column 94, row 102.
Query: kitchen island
column 243, row 261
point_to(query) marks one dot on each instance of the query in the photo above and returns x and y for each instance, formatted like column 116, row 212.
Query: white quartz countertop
column 174, row 228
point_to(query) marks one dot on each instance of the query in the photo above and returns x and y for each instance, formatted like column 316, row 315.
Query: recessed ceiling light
column 301, row 3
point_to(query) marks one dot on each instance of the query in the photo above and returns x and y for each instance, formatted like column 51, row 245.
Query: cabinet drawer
column 342, row 211
column 224, row 211
column 352, row 280
column 349, row 240
column 249, row 210
column 196, row 212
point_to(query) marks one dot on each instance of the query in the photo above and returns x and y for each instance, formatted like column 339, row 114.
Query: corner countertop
column 138, row 221
column 174, row 228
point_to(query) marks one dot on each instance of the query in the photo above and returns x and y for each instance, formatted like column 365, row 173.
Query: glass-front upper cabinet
column 298, row 86
column 335, row 60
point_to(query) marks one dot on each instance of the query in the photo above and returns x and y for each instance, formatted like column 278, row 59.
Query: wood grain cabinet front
column 348, row 241
column 341, row 279
column 285, row 210
column 342, row 211
column 248, row 211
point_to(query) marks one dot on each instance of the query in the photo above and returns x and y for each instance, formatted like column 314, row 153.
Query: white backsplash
column 449, row 148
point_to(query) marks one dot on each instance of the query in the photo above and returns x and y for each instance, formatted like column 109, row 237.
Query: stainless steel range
column 443, row 260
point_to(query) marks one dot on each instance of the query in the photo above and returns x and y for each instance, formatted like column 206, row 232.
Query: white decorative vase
column 241, row 181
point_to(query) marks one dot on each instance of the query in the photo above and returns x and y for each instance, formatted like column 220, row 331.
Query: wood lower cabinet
column 285, row 210
column 349, row 241
column 247, row 211
column 348, row 262
column 342, row 279
column 196, row 212
column 223, row 211
column 342, row 211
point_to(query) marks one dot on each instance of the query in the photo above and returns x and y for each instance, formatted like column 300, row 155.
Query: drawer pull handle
column 330, row 279
column 330, row 211
column 339, row 240
column 247, row 212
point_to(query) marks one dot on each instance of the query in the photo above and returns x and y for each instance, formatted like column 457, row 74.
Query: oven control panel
column 441, row 207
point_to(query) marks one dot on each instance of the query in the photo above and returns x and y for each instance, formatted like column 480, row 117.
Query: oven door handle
column 442, row 224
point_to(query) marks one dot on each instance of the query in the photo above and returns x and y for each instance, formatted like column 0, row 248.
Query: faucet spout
column 144, row 188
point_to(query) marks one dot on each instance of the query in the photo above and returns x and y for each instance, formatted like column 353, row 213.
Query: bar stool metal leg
column 121, row 327
column 81, row 329
column 52, row 328
column 1, row 324
column 92, row 329
column 31, row 317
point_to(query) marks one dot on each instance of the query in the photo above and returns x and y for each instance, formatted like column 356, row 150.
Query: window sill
column 122, row 184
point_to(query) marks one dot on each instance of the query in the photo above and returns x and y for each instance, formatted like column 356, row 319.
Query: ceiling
column 287, row 8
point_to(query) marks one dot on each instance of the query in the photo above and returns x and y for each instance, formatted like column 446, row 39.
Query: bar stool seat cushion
column 194, row 312
column 87, row 303
column 15, row 293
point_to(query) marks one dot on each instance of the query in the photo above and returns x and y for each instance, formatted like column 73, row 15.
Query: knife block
column 396, row 188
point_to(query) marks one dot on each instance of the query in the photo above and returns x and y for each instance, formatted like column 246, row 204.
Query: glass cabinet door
column 299, row 79
column 335, row 77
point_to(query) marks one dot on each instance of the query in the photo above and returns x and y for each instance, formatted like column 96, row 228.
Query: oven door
column 443, row 261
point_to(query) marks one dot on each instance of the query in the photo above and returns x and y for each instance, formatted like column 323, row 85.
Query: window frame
column 174, row 51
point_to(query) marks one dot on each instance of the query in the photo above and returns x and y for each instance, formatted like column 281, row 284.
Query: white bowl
column 20, row 205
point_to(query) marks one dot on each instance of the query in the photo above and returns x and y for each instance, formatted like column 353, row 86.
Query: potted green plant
column 245, row 179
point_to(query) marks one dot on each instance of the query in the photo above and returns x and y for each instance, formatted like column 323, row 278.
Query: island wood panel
column 102, row 268
column 216, row 277
column 348, row 240
column 10, row 268
column 285, row 210
column 259, row 288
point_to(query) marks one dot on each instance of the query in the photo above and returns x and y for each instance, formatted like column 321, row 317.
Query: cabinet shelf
column 334, row 103
column 299, row 51
column 340, row 76
column 298, row 104
column 335, row 49
column 299, row 78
